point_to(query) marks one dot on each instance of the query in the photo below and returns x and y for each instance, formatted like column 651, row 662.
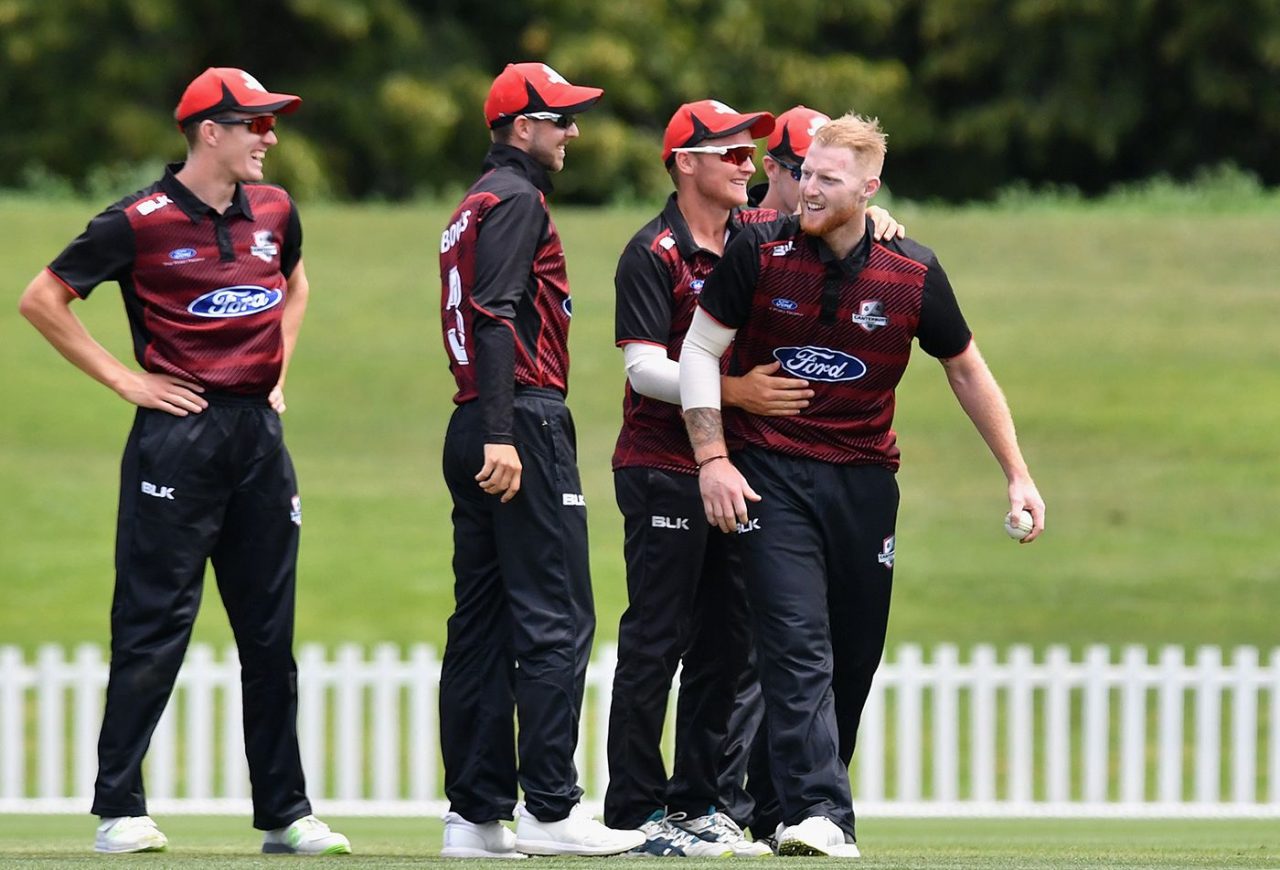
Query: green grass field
column 1138, row 347
column 983, row 844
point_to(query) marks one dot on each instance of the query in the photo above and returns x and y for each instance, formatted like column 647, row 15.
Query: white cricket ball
column 1019, row 525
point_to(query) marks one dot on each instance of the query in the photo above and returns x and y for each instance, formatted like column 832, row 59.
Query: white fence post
column 1208, row 724
column 13, row 684
column 983, row 758
column 367, row 722
column 51, row 702
column 1171, row 696
column 1133, row 724
column 1244, row 725
column 946, row 718
column 1022, row 724
column 89, row 682
column 424, row 686
column 1097, row 713
column 910, row 722
column 1059, row 677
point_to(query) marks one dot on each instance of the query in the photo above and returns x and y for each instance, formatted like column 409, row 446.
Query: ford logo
column 182, row 253
column 238, row 301
column 820, row 364
column 696, row 285
column 785, row 304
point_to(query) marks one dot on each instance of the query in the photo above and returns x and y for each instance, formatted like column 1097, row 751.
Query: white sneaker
column 129, row 834
column 463, row 839
column 816, row 836
column 307, row 836
column 723, row 831
column 663, row 838
column 576, row 834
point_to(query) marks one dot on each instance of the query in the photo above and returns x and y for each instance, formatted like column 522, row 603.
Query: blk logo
column 573, row 499
column 671, row 523
column 149, row 488
column 751, row 525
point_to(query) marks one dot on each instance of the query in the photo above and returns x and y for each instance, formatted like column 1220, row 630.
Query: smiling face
column 546, row 142
column 240, row 150
column 834, row 190
column 721, row 183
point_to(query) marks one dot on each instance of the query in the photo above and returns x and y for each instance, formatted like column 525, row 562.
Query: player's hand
column 275, row 399
column 725, row 493
column 761, row 391
column 501, row 472
column 164, row 393
column 883, row 225
column 1023, row 495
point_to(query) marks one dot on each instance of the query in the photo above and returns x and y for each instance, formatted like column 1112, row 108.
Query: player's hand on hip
column 501, row 472
column 725, row 493
column 762, row 391
column 164, row 393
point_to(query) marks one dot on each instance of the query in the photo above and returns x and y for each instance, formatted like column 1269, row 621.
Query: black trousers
column 746, row 783
column 685, row 604
column 220, row 486
column 520, row 635
column 818, row 565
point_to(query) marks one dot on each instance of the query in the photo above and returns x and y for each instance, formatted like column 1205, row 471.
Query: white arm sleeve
column 651, row 372
column 705, row 343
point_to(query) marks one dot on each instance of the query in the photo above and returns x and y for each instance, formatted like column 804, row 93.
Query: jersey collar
column 501, row 155
column 850, row 265
column 195, row 208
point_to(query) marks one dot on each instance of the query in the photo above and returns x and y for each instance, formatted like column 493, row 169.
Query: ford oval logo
column 785, row 304
column 820, row 363
column 238, row 301
column 696, row 285
column 182, row 253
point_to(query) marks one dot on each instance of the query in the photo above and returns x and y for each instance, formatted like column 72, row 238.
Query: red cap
column 793, row 134
column 534, row 87
column 226, row 89
column 710, row 119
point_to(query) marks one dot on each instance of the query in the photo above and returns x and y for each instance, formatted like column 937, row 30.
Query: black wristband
column 710, row 459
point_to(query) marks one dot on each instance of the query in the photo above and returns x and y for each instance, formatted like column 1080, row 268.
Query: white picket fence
column 941, row 736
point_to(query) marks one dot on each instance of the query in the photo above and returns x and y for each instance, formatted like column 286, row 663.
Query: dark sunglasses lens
column 261, row 125
column 739, row 155
column 564, row 122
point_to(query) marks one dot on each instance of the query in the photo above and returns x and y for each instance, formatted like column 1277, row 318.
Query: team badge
column 263, row 248
column 295, row 510
column 870, row 315
column 885, row 557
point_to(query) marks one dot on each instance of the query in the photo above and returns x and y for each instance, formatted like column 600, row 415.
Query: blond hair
column 860, row 135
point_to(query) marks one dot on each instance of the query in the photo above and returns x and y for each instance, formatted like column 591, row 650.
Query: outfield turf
column 1138, row 349
column 986, row 844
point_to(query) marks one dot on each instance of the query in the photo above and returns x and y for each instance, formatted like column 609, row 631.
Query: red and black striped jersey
column 845, row 325
column 501, row 261
column 659, row 277
column 204, row 292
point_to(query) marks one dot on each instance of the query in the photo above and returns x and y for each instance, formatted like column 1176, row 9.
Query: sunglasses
column 563, row 122
column 735, row 154
column 258, row 125
column 793, row 168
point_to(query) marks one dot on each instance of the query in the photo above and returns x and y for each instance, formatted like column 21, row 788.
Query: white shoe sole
column 548, row 847
column 108, row 850
column 468, row 852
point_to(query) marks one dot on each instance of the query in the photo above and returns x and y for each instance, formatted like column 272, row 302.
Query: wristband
column 711, row 459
